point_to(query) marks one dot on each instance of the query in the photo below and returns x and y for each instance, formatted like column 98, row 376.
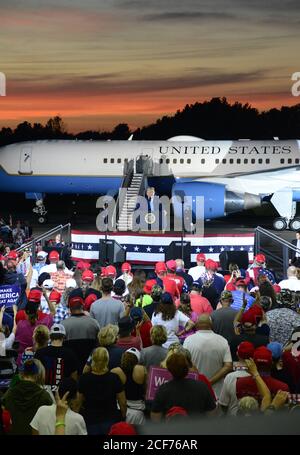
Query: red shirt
column 246, row 386
column 145, row 334
column 22, row 316
column 200, row 304
column 129, row 342
column 178, row 280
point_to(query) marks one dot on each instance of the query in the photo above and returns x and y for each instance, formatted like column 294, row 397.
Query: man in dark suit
column 295, row 256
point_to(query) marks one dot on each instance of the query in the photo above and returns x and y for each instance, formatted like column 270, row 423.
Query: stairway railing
column 286, row 248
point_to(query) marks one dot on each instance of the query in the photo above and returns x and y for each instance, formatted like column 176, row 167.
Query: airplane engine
column 217, row 200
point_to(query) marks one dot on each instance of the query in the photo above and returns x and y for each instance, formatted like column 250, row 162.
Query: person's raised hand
column 251, row 367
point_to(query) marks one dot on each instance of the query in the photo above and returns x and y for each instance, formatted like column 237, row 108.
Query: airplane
column 231, row 175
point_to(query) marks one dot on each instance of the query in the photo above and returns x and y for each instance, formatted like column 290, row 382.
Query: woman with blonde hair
column 40, row 337
column 100, row 391
column 107, row 338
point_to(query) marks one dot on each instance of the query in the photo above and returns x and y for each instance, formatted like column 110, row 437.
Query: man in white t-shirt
column 292, row 283
column 228, row 399
column 210, row 353
column 44, row 421
column 199, row 269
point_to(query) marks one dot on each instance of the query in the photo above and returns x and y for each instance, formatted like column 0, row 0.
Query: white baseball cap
column 42, row 254
column 48, row 284
column 135, row 352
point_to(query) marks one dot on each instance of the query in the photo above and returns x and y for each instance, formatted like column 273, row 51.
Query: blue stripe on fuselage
column 58, row 184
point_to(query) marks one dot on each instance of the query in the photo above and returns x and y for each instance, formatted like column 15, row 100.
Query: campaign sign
column 9, row 295
column 157, row 377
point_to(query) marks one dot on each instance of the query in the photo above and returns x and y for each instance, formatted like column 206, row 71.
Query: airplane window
column 238, row 161
column 161, row 160
column 203, row 161
column 125, row 160
column 112, row 160
column 282, row 161
column 167, row 160
column 290, row 161
column 174, row 161
column 224, row 161
column 188, row 161
column 268, row 161
column 231, row 161
column 217, row 161
column 181, row 160
column 246, row 161
column 253, row 161
column 260, row 161
column 119, row 160
column 104, row 160
column 297, row 161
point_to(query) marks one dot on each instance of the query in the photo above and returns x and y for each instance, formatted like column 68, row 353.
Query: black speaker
column 173, row 251
column 234, row 257
column 111, row 252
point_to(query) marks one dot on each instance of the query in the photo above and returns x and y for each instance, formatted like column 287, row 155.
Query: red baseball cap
column 89, row 300
column 122, row 428
column 262, row 356
column 12, row 255
column 257, row 311
column 210, row 264
column 261, row 258
column 171, row 265
column 73, row 301
column 111, row 270
column 241, row 282
column 245, row 350
column 35, row 295
column 149, row 285
column 200, row 257
column 54, row 296
column 176, row 411
column 82, row 265
column 126, row 267
column 53, row 255
column 160, row 267
column 103, row 272
column 170, row 286
column 248, row 317
column 87, row 276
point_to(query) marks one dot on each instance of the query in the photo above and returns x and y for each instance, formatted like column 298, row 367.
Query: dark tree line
column 214, row 119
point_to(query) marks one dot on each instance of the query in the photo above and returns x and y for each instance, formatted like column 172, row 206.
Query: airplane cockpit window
column 282, row 161
column 253, row 161
column 112, row 160
column 104, row 160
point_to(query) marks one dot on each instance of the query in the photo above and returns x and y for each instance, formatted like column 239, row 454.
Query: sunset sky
column 101, row 62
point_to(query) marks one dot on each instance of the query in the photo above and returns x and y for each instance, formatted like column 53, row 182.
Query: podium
column 174, row 252
column 111, row 252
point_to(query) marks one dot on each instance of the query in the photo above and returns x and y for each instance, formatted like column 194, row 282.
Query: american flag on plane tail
column 150, row 248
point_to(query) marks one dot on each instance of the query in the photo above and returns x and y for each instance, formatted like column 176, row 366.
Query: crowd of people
column 105, row 350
